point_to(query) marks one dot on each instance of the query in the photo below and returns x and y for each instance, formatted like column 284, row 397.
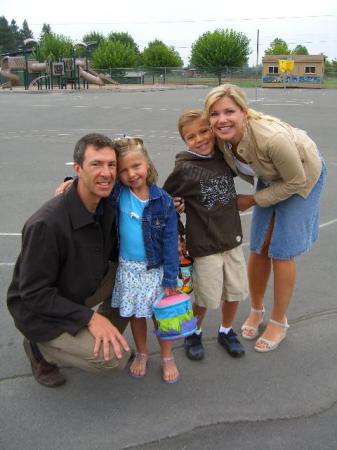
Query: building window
column 309, row 69
column 273, row 69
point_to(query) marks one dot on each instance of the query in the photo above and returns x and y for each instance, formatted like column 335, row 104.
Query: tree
column 278, row 47
column 55, row 46
column 16, row 32
column 124, row 38
column 300, row 50
column 25, row 32
column 46, row 29
column 94, row 36
column 7, row 37
column 111, row 54
column 157, row 54
column 220, row 50
column 330, row 68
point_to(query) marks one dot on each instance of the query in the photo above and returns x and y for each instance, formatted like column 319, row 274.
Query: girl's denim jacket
column 160, row 233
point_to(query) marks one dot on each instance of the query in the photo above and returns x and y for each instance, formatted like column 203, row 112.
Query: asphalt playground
column 286, row 399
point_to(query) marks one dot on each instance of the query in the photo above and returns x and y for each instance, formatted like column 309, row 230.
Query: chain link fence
column 169, row 75
column 248, row 77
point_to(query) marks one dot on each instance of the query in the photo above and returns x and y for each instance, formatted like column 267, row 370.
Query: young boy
column 213, row 231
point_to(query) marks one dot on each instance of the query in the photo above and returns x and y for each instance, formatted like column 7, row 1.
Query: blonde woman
column 290, row 176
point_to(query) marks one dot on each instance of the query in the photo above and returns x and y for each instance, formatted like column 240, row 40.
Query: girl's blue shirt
column 130, row 213
column 160, row 232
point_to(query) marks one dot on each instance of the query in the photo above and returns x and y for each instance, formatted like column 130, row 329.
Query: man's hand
column 245, row 202
column 105, row 334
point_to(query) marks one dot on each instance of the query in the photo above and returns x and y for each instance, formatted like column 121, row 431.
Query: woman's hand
column 245, row 202
column 63, row 187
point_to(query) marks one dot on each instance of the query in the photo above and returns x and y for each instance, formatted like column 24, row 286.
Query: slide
column 90, row 78
column 103, row 77
column 107, row 79
column 13, row 79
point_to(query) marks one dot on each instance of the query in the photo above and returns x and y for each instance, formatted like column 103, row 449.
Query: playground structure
column 50, row 74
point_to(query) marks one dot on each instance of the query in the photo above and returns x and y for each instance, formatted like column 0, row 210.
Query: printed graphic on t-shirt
column 217, row 190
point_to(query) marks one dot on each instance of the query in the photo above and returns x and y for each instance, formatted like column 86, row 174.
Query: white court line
column 328, row 223
column 244, row 244
column 282, row 104
column 322, row 225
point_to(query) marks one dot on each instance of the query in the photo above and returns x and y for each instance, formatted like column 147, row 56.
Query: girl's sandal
column 264, row 345
column 250, row 332
column 166, row 365
column 139, row 365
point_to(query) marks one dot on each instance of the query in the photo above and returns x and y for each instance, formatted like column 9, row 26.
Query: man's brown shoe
column 44, row 373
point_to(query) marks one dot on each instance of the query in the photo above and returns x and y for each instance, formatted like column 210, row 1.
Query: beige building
column 308, row 71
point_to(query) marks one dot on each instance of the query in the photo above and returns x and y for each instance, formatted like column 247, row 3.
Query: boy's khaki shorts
column 220, row 277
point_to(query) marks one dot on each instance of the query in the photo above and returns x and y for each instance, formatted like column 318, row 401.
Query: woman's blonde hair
column 239, row 98
column 126, row 145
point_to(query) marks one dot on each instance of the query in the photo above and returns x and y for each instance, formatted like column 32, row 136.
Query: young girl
column 148, row 255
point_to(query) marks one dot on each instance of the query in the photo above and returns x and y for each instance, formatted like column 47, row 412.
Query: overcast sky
column 181, row 22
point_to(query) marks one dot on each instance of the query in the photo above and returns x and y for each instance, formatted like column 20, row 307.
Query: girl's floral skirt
column 136, row 288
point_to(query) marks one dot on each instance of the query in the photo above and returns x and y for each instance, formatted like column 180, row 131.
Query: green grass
column 330, row 83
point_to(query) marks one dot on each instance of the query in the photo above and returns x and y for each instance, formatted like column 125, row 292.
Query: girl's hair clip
column 127, row 138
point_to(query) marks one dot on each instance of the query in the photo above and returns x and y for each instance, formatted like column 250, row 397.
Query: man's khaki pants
column 77, row 351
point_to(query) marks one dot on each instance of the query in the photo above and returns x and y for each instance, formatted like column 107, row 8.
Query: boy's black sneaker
column 231, row 343
column 193, row 347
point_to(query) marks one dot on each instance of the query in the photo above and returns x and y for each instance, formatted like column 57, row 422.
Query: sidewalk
column 106, row 88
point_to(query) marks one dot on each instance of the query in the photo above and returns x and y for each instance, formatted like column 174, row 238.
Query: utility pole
column 257, row 61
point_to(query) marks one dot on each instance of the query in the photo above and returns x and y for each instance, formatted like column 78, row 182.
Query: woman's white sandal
column 272, row 345
column 248, row 331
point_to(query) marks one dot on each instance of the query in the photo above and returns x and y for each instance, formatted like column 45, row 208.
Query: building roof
column 296, row 58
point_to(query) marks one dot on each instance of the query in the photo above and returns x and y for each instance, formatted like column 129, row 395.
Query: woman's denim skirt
column 296, row 225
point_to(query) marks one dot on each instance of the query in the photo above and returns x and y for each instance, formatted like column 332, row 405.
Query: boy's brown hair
column 189, row 116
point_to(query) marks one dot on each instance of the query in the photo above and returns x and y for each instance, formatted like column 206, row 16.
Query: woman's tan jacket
column 280, row 154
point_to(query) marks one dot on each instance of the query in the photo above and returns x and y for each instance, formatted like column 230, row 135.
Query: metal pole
column 257, row 61
column 26, row 68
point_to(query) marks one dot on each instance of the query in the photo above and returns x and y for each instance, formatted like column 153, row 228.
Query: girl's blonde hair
column 239, row 98
column 126, row 145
